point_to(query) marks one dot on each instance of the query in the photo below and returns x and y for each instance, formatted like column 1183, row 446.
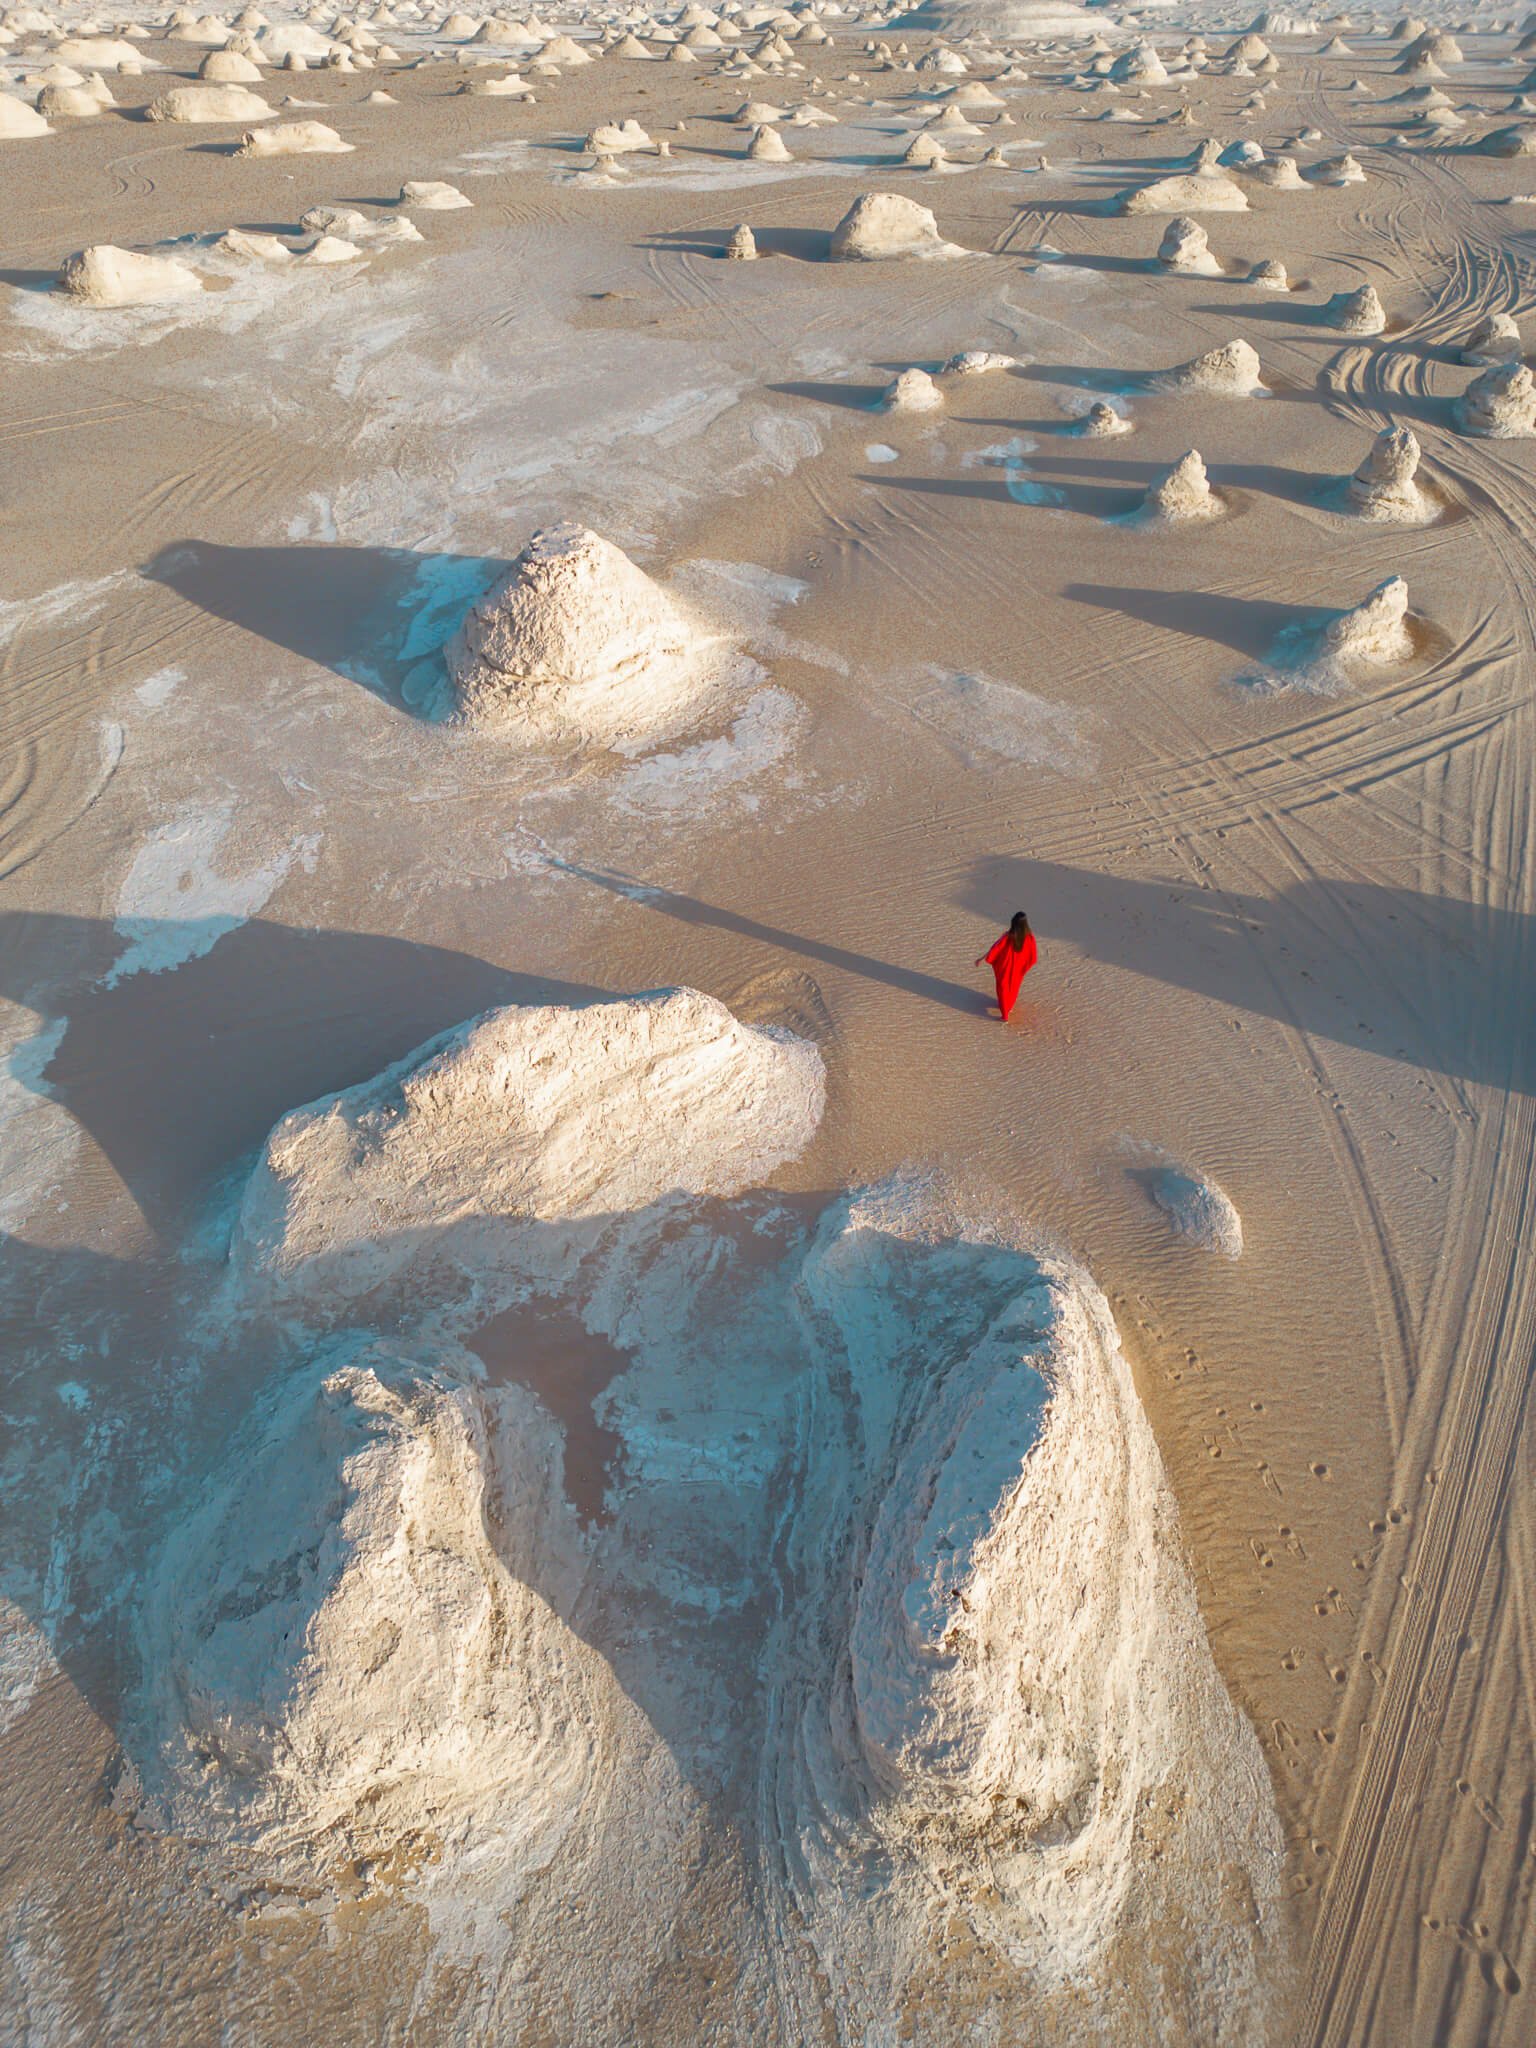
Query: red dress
column 1009, row 965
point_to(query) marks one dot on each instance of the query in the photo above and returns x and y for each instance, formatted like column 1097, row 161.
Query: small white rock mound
column 338, row 1664
column 522, row 1116
column 294, row 138
column 882, row 225
column 912, row 391
column 74, row 102
column 1500, row 405
column 1269, row 275
column 1185, row 248
column 1231, row 371
column 1374, row 632
column 1338, row 170
column 576, row 640
column 108, row 276
column 1101, row 422
column 1494, row 340
column 18, row 121
column 1181, row 495
column 1198, row 1210
column 1326, row 654
column 768, row 146
column 614, row 138
column 1195, row 192
column 430, row 195
column 1356, row 312
column 1384, row 486
column 741, row 247
column 231, row 105
column 228, row 67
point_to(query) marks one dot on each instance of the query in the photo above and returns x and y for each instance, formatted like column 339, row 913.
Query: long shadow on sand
column 178, row 1075
column 368, row 614
column 1440, row 983
column 909, row 981
column 1247, row 625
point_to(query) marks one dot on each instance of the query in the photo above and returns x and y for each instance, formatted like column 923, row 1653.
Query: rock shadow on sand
column 1434, row 981
column 370, row 615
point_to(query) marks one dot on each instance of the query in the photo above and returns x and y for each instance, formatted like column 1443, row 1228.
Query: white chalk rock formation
column 1279, row 174
column 576, row 640
column 1500, row 405
column 998, row 1673
column 430, row 195
column 768, row 146
column 228, row 67
column 1198, row 1210
column 1269, row 275
column 1338, row 170
column 1384, row 486
column 614, row 138
column 742, row 245
column 1181, row 495
column 882, row 225
column 1185, row 248
column 340, row 1668
column 294, row 138
column 522, row 1117
column 1231, row 371
column 229, row 105
column 1494, row 340
column 1197, row 192
column 108, row 276
column 1375, row 631
column 18, row 121
column 1101, row 422
column 74, row 102
column 1357, row 312
column 912, row 391
column 923, row 153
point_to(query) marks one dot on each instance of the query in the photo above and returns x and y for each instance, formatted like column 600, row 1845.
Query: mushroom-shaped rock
column 881, row 225
column 1384, row 486
column 109, row 276
column 1500, row 405
column 1186, row 248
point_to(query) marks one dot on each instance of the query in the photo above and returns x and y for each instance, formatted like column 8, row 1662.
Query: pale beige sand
column 1288, row 939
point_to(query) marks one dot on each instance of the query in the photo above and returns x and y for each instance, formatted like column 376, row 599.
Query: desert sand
column 597, row 1451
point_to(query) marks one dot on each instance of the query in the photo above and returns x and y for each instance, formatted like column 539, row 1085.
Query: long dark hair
column 1018, row 930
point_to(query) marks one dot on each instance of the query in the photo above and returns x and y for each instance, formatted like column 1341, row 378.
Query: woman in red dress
column 1010, row 960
